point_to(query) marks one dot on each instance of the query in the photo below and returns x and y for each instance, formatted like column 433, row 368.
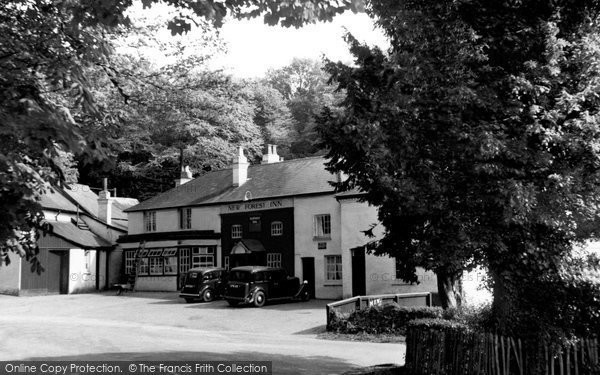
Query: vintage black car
column 257, row 285
column 204, row 283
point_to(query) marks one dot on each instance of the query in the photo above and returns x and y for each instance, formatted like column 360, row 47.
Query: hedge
column 387, row 319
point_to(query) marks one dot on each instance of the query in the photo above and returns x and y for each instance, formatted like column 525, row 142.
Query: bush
column 387, row 319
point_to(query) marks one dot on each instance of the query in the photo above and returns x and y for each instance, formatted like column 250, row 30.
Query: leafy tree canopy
column 47, row 49
column 477, row 136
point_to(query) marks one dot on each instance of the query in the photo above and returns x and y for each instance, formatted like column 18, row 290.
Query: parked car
column 257, row 285
column 204, row 283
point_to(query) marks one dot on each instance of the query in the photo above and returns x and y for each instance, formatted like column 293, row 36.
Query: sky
column 254, row 47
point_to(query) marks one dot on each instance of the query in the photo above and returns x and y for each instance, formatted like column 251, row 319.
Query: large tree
column 45, row 48
column 303, row 84
column 477, row 137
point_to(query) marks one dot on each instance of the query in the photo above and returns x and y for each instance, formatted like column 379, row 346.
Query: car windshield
column 239, row 276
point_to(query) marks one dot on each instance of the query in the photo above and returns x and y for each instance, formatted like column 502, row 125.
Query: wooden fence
column 456, row 352
column 349, row 305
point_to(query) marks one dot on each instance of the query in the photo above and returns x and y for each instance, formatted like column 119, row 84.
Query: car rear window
column 192, row 275
column 239, row 276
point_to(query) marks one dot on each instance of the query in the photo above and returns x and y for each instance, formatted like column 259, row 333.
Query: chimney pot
column 240, row 168
column 105, row 203
column 271, row 156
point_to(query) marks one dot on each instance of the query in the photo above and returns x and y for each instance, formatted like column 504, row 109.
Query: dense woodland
column 168, row 107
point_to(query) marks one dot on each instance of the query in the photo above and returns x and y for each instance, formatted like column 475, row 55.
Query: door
column 359, row 287
column 64, row 272
column 308, row 274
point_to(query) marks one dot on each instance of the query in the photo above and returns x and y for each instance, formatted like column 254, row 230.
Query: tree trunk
column 449, row 288
column 502, row 304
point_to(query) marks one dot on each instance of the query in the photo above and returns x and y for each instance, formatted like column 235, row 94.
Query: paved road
column 159, row 326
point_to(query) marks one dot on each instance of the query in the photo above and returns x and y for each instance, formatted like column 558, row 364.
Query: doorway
column 308, row 274
column 359, row 287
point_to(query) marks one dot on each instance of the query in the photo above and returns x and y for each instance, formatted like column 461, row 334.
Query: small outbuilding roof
column 83, row 238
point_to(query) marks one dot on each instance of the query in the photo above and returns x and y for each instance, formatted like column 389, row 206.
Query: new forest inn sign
column 257, row 205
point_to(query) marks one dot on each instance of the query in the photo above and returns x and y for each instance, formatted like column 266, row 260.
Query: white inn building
column 279, row 213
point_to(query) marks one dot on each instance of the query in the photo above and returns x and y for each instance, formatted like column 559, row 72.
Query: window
column 143, row 266
column 203, row 256
column 274, row 260
column 129, row 262
column 226, row 263
column 170, row 260
column 333, row 267
column 322, row 226
column 276, row 228
column 150, row 221
column 184, row 260
column 236, row 231
column 185, row 218
column 254, row 224
column 156, row 266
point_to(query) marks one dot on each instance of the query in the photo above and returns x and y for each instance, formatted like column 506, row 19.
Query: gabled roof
column 81, row 237
column 284, row 179
column 88, row 200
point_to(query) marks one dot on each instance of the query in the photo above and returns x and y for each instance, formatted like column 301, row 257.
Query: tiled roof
column 287, row 178
column 80, row 237
column 88, row 200
column 54, row 200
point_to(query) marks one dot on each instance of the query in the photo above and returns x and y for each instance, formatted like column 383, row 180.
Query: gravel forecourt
column 161, row 326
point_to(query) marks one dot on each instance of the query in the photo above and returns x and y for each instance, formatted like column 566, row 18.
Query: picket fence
column 455, row 352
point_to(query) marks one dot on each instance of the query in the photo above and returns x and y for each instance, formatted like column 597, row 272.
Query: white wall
column 380, row 270
column 82, row 280
column 10, row 276
column 203, row 218
column 306, row 246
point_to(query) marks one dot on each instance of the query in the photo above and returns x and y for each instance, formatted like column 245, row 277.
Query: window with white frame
column 236, row 231
column 129, row 262
column 322, row 226
column 276, row 228
column 156, row 266
column 274, row 260
column 333, row 267
column 185, row 218
column 143, row 266
column 170, row 261
column 150, row 221
column 203, row 256
column 184, row 259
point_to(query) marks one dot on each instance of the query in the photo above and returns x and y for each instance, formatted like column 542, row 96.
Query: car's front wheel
column 259, row 299
column 208, row 295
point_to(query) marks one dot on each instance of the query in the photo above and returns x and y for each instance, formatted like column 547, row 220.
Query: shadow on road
column 282, row 364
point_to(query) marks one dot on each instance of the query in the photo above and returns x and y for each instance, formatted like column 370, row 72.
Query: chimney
column 271, row 156
column 240, row 168
column 105, row 203
column 184, row 177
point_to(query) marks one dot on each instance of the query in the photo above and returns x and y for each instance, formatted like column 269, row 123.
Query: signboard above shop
column 270, row 204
